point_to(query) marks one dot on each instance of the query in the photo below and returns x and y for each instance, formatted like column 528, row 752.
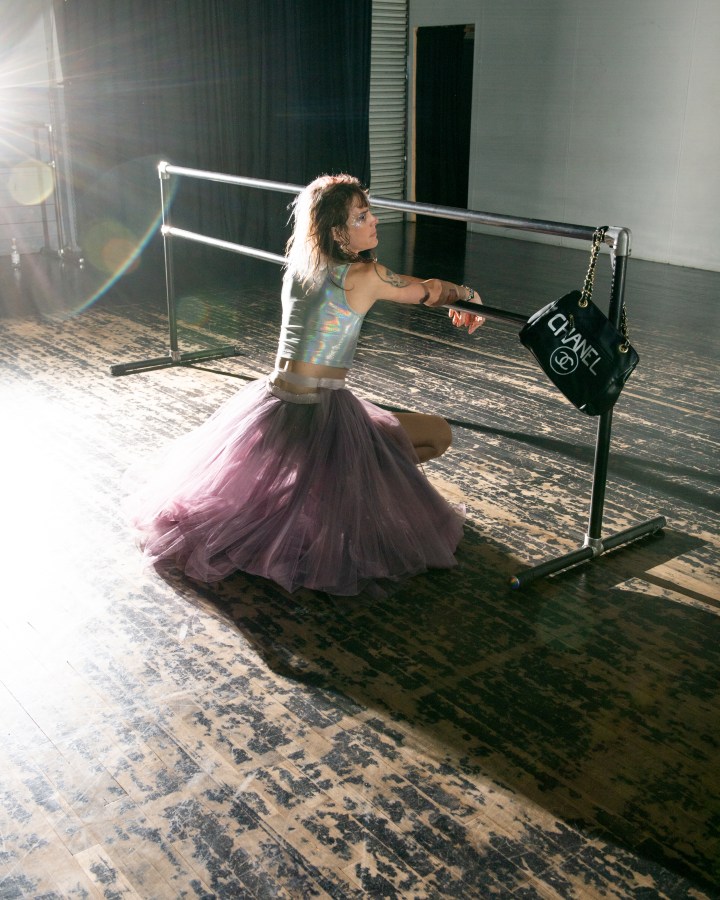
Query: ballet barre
column 617, row 238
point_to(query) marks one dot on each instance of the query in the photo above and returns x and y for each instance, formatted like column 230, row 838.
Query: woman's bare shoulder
column 373, row 273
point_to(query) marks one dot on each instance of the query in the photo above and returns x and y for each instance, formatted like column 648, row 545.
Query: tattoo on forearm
column 390, row 277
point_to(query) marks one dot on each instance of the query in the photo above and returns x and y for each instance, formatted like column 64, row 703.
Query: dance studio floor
column 453, row 738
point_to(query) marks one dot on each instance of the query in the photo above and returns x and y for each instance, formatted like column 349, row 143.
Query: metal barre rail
column 170, row 231
column 561, row 229
column 618, row 238
column 489, row 312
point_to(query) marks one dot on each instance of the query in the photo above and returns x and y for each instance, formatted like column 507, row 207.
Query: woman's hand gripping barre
column 464, row 319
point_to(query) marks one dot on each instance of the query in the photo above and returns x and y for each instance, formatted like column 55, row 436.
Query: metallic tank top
column 318, row 326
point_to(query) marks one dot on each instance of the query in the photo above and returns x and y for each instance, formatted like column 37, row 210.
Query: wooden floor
column 452, row 739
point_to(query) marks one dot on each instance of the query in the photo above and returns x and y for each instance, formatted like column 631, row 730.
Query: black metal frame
column 617, row 238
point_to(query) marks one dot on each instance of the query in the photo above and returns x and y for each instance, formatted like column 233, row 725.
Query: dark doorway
column 443, row 102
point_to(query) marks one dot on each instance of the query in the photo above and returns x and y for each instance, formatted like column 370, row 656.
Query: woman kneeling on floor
column 295, row 478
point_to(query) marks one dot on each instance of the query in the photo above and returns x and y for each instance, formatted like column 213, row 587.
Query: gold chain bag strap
column 598, row 237
column 577, row 346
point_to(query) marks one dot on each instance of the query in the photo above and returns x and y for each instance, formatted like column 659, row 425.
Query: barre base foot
column 173, row 359
column 591, row 549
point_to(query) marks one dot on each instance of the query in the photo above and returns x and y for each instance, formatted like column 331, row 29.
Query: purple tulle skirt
column 323, row 495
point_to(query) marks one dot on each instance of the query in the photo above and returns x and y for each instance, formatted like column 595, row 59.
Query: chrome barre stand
column 617, row 238
column 175, row 356
column 594, row 545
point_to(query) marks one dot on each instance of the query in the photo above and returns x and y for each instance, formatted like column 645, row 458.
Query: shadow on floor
column 593, row 700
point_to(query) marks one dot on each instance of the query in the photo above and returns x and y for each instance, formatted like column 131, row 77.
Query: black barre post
column 602, row 443
column 169, row 273
column 594, row 544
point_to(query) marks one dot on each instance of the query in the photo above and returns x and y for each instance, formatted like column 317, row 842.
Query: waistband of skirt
column 332, row 384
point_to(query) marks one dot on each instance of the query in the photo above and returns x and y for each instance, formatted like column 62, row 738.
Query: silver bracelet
column 471, row 293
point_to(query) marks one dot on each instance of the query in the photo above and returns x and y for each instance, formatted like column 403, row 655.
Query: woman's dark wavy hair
column 323, row 205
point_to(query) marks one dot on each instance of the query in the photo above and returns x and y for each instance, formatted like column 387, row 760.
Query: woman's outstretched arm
column 369, row 282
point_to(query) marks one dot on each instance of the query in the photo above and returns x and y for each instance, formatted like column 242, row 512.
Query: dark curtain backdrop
column 276, row 90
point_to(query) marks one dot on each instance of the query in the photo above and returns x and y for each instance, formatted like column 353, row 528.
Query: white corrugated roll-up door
column 388, row 102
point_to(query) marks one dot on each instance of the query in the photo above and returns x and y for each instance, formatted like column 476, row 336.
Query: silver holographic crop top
column 318, row 326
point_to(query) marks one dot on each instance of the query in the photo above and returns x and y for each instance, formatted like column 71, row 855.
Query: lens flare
column 31, row 182
column 111, row 247
column 121, row 213
column 193, row 310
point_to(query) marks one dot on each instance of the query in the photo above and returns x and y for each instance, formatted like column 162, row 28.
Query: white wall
column 597, row 113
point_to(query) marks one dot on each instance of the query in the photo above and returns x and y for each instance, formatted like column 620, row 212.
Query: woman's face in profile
column 361, row 227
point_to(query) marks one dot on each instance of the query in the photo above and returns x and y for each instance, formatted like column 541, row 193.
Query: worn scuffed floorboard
column 450, row 739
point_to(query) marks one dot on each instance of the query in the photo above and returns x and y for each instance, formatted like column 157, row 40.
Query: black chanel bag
column 579, row 349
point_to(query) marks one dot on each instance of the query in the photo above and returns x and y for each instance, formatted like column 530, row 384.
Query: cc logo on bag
column 563, row 361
